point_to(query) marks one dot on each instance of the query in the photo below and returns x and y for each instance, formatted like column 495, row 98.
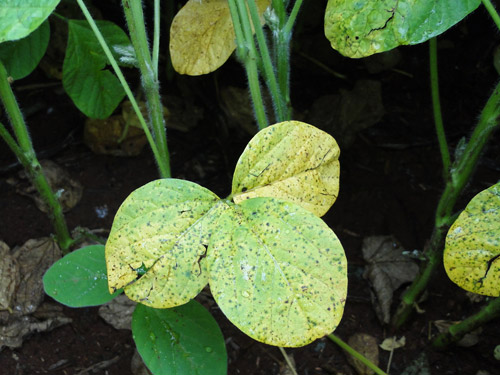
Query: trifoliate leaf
column 277, row 272
column 359, row 28
column 202, row 36
column 472, row 251
column 291, row 160
column 159, row 237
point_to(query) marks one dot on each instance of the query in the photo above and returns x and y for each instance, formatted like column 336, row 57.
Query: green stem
column 267, row 65
column 460, row 174
column 156, row 38
column 356, row 354
column 137, row 30
column 492, row 11
column 25, row 153
column 457, row 331
column 436, row 106
column 247, row 53
column 163, row 169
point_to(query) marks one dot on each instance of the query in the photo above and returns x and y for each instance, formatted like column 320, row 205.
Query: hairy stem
column 457, row 331
column 137, row 30
column 460, row 174
column 23, row 149
column 436, row 106
column 163, row 169
column 247, row 53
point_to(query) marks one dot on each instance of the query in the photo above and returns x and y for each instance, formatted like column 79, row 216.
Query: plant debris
column 387, row 270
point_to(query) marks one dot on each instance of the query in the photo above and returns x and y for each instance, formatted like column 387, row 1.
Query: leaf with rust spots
column 278, row 272
column 202, row 36
column 293, row 161
column 472, row 250
column 359, row 28
column 162, row 229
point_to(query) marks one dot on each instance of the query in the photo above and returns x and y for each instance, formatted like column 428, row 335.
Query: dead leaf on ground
column 367, row 346
column 24, row 314
column 9, row 277
column 392, row 343
column 387, row 270
column 68, row 190
column 118, row 312
column 347, row 114
column 48, row 317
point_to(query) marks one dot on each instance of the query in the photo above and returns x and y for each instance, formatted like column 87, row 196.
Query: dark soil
column 390, row 184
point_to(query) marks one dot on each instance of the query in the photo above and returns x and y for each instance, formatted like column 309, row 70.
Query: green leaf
column 165, row 226
column 21, row 57
column 182, row 340
column 359, row 28
column 472, row 251
column 18, row 18
column 290, row 160
column 277, row 272
column 94, row 90
column 79, row 279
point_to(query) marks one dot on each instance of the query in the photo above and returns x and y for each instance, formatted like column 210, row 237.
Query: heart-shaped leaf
column 291, row 160
column 79, row 279
column 160, row 236
column 202, row 36
column 181, row 340
column 472, row 251
column 359, row 28
column 95, row 91
column 277, row 272
column 18, row 18
column 21, row 57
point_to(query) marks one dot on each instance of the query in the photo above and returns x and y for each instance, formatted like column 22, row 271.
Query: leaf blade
column 362, row 28
column 472, row 250
column 164, row 225
column 79, row 279
column 181, row 340
column 290, row 160
column 277, row 272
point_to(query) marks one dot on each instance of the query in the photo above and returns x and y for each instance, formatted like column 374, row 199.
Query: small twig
column 99, row 366
column 288, row 361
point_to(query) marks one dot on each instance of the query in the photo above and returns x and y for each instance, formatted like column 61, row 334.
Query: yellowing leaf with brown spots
column 293, row 161
column 278, row 272
column 162, row 227
column 202, row 36
column 472, row 251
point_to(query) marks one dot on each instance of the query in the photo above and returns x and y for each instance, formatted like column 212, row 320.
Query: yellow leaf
column 472, row 251
column 202, row 36
column 293, row 161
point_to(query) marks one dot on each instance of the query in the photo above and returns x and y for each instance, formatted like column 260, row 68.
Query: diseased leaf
column 277, row 272
column 181, row 340
column 79, row 279
column 18, row 18
column 162, row 229
column 291, row 160
column 472, row 250
column 94, row 90
column 202, row 36
column 21, row 57
column 359, row 28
